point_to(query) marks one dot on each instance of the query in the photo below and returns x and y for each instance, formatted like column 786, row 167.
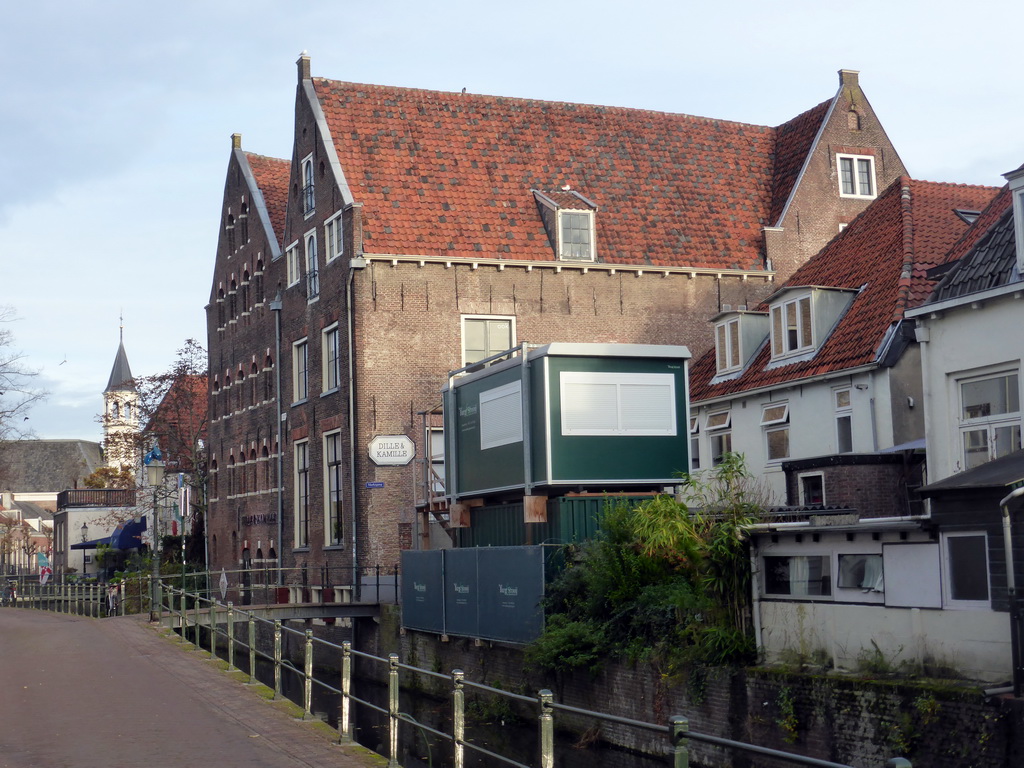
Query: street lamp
column 85, row 532
column 155, row 478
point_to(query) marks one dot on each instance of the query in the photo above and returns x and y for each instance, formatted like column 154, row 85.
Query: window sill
column 332, row 391
column 335, row 548
column 301, row 549
column 303, row 401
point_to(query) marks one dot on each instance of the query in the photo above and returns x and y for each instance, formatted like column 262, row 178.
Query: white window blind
column 501, row 416
column 596, row 403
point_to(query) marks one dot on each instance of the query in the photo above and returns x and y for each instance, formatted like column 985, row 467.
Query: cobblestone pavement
column 115, row 693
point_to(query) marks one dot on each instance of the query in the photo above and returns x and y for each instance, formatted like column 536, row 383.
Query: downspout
column 755, row 599
column 1011, row 589
column 524, row 393
column 352, row 425
column 276, row 306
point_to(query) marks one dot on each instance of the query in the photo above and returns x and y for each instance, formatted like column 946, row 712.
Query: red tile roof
column 884, row 253
column 180, row 419
column 451, row 174
column 272, row 175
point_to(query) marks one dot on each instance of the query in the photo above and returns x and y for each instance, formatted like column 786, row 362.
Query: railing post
column 231, row 637
column 344, row 726
column 213, row 628
column 679, row 727
column 547, row 729
column 307, row 683
column 252, row 650
column 195, row 622
column 393, row 711
column 458, row 718
column 277, row 658
column 182, row 613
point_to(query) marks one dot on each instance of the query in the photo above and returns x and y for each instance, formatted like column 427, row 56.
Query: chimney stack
column 303, row 65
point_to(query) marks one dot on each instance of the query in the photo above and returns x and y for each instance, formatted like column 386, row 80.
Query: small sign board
column 392, row 450
column 375, row 484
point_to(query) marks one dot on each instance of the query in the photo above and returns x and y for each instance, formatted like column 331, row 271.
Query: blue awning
column 127, row 535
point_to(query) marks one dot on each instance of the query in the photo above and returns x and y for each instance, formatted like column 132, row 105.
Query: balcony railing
column 96, row 497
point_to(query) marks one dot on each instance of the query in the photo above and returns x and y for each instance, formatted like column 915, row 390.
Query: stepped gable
column 884, row 254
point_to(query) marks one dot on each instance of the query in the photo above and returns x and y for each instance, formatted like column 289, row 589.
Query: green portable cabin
column 568, row 417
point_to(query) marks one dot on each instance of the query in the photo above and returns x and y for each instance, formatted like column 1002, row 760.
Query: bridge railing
column 222, row 622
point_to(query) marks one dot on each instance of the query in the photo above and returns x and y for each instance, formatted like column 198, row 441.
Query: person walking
column 112, row 600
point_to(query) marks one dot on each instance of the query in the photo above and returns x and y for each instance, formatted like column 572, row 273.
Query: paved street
column 115, row 693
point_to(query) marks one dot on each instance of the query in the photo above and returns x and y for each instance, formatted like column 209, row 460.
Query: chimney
column 236, row 141
column 303, row 65
column 849, row 77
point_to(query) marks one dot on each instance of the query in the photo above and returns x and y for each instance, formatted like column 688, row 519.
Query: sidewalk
column 115, row 693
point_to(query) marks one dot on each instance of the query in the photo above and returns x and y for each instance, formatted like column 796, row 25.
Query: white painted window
column 694, row 444
column 718, row 426
column 597, row 403
column 812, row 489
column 331, row 356
column 501, row 416
column 965, row 570
column 334, row 523
column 797, row 575
column 727, row 345
column 333, row 242
column 308, row 196
column 300, row 371
column 293, row 266
column 860, row 571
column 792, row 327
column 990, row 418
column 302, row 493
column 856, row 175
column 843, row 405
column 576, row 235
column 483, row 336
column 312, row 267
column 775, row 420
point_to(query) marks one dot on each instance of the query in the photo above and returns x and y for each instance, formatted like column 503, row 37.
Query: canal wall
column 861, row 721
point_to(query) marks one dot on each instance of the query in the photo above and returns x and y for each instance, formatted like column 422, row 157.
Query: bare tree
column 17, row 395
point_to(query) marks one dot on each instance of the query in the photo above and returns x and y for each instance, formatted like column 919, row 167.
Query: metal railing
column 192, row 610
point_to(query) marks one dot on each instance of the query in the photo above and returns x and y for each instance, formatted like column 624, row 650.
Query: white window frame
column 300, row 453
column 436, row 449
column 948, row 601
column 334, row 475
column 292, row 263
column 331, row 358
column 334, row 244
column 510, row 319
column 718, row 425
column 616, row 397
column 801, row 496
column 774, row 420
column 826, row 572
column 782, row 345
column 843, row 413
column 501, row 415
column 694, row 443
column 728, row 346
column 300, row 370
column 987, row 422
column 308, row 190
column 564, row 249
column 312, row 267
column 855, row 162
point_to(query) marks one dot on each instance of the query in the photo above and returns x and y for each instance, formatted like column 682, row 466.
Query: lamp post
column 85, row 538
column 155, row 478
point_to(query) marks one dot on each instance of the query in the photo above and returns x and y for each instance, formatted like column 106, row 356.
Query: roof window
column 569, row 221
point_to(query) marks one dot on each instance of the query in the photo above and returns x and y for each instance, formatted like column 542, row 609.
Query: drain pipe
column 755, row 599
column 275, row 306
column 1011, row 589
column 356, row 263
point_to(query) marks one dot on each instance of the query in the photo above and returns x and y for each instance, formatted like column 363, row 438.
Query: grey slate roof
column 121, row 378
column 998, row 473
column 47, row 466
column 989, row 264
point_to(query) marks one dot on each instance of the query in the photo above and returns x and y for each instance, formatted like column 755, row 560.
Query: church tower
column 121, row 414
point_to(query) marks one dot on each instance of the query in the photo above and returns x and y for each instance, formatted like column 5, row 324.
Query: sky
column 116, row 118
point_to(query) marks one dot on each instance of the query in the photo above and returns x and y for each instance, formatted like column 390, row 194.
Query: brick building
column 412, row 232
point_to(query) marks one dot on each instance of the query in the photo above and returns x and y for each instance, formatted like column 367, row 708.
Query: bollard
column 346, row 689
column 277, row 658
column 393, row 711
column 307, row 683
column 679, row 727
column 252, row 650
column 231, row 637
column 547, row 730
column 458, row 717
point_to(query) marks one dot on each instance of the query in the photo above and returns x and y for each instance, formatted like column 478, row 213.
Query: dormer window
column 791, row 327
column 576, row 235
column 569, row 222
column 727, row 345
column 856, row 175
